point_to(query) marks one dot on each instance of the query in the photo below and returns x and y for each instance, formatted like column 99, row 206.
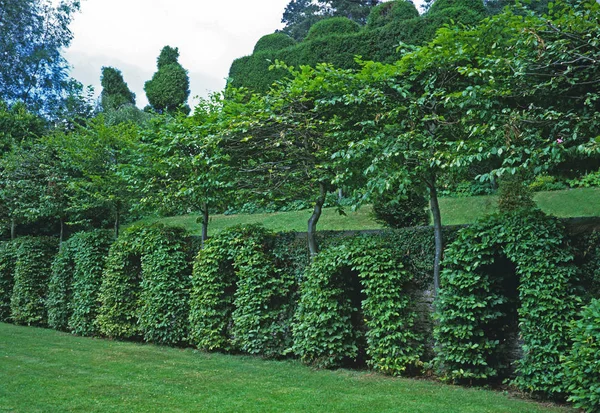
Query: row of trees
column 517, row 92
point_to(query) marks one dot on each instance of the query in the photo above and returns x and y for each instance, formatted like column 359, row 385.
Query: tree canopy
column 169, row 88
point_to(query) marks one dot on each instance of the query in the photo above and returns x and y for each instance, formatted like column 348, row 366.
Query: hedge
column 332, row 26
column 273, row 42
column 240, row 300
column 7, row 266
column 60, row 286
column 89, row 251
column 145, row 286
column 474, row 306
column 391, row 11
column 32, row 271
column 377, row 43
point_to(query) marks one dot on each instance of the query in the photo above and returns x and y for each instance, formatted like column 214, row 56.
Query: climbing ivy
column 32, row 271
column 473, row 309
column 240, row 300
column 7, row 266
column 328, row 330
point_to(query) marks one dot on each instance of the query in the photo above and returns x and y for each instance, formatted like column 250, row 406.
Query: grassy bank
column 45, row 371
column 568, row 203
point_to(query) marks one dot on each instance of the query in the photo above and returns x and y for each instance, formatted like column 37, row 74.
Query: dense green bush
column 88, row 251
column 332, row 26
column 32, row 271
column 401, row 210
column 144, row 291
column 474, row 310
column 582, row 365
column 120, row 290
column 60, row 288
column 165, row 286
column 337, row 316
column 440, row 5
column 391, row 11
column 240, row 300
column 272, row 42
column 7, row 267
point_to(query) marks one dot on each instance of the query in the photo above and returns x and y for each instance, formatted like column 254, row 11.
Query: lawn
column 567, row 203
column 46, row 371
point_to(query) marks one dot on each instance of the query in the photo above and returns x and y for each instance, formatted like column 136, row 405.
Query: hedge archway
column 240, row 301
column 145, row 287
column 471, row 305
column 323, row 332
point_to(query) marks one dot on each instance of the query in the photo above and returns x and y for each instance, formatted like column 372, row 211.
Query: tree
column 18, row 126
column 32, row 69
column 168, row 90
column 180, row 164
column 115, row 92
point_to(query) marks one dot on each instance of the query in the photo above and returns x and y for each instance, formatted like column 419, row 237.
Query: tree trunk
column 437, row 231
column 62, row 232
column 13, row 228
column 117, row 222
column 313, row 247
column 204, row 223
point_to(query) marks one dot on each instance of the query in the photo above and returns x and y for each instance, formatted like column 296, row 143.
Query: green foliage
column 7, row 267
column 166, row 269
column 546, row 183
column 332, row 26
column 328, row 328
column 591, row 179
column 582, row 364
column 401, row 210
column 32, row 271
column 18, row 126
column 32, row 37
column 273, row 42
column 475, row 5
column 240, row 300
column 88, row 251
column 144, row 291
column 120, row 289
column 115, row 92
column 60, row 288
column 169, row 88
column 514, row 195
column 474, row 306
column 391, row 11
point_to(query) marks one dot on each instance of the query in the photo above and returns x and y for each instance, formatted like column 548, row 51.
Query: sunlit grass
column 46, row 371
column 455, row 211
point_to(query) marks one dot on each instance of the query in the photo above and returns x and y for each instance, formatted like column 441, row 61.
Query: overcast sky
column 129, row 34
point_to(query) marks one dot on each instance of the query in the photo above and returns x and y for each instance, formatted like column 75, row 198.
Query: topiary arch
column 240, row 300
column 473, row 304
column 325, row 333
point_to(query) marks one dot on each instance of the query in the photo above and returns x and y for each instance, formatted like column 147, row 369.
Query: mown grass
column 46, row 371
column 455, row 211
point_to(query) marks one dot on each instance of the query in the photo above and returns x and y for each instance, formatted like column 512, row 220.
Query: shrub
column 164, row 299
column 336, row 316
column 582, row 365
column 546, row 183
column 32, row 271
column 273, row 42
column 7, row 267
column 240, row 300
column 473, row 310
column 399, row 211
column 145, row 286
column 514, row 195
column 60, row 288
column 88, row 251
column 391, row 11
column 473, row 5
column 331, row 26
column 120, row 289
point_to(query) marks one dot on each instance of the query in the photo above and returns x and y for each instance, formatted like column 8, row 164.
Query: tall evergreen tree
column 115, row 92
column 169, row 88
